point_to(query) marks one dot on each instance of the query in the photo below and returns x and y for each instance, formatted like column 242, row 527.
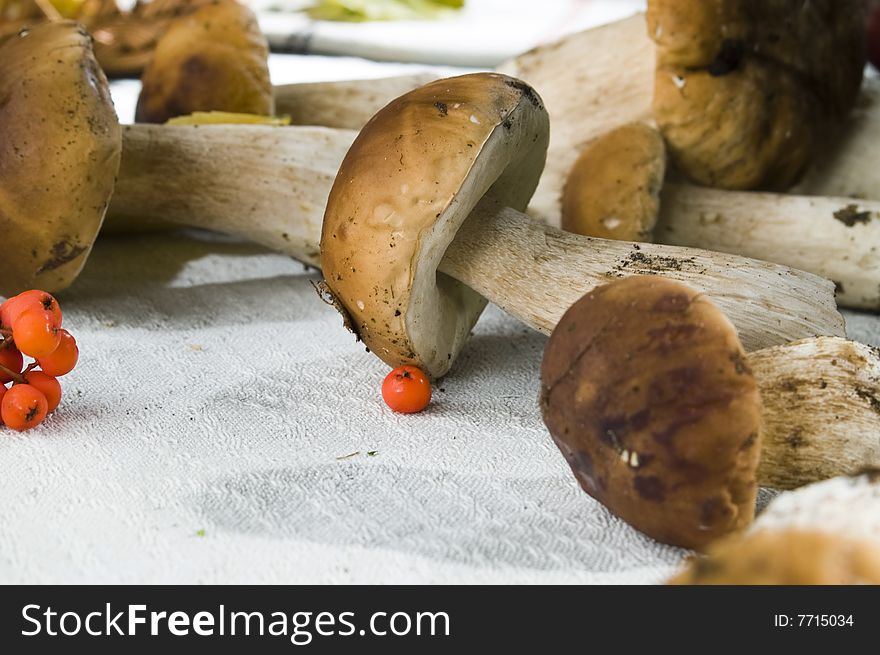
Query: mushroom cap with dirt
column 613, row 189
column 824, row 533
column 646, row 390
column 480, row 137
column 213, row 59
column 60, row 153
column 744, row 90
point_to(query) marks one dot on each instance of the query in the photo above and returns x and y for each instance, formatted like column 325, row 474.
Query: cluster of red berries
column 30, row 324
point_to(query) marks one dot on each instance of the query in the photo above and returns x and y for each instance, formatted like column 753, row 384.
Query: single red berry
column 23, row 407
column 36, row 298
column 49, row 386
column 63, row 359
column 10, row 358
column 36, row 332
column 407, row 390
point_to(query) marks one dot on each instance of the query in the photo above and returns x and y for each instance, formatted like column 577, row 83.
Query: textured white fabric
column 216, row 393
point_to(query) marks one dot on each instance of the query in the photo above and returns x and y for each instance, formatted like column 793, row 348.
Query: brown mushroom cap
column 60, row 146
column 744, row 90
column 214, row 59
column 645, row 389
column 613, row 189
column 409, row 181
column 785, row 557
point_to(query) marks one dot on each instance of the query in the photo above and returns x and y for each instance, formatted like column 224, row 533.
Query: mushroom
column 663, row 418
column 269, row 185
column 213, row 59
column 613, row 191
column 60, row 153
column 437, row 180
column 825, row 533
column 743, row 91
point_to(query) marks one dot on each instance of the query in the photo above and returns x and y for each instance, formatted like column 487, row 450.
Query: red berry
column 63, row 359
column 406, row 390
column 36, row 333
column 23, row 407
column 2, row 393
column 49, row 386
column 10, row 358
column 37, row 298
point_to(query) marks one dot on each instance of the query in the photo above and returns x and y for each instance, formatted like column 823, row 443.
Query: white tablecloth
column 219, row 426
column 223, row 427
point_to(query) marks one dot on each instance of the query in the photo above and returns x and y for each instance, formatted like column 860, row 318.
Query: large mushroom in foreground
column 60, row 153
column 664, row 419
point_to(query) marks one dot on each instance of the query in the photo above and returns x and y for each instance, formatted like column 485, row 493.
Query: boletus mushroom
column 614, row 191
column 424, row 223
column 213, row 59
column 60, row 146
column 744, row 90
column 825, row 533
column 648, row 393
column 270, row 185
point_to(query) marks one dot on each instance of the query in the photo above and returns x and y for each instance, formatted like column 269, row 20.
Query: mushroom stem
column 536, row 272
column 266, row 184
column 348, row 104
column 270, row 185
column 837, row 238
column 821, row 412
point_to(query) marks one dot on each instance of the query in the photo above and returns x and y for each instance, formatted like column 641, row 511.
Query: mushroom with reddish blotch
column 825, row 533
column 648, row 393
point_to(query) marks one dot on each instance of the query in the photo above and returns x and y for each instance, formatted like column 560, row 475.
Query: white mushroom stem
column 821, row 410
column 536, row 272
column 346, row 104
column 265, row 184
column 269, row 185
column 837, row 238
column 843, row 506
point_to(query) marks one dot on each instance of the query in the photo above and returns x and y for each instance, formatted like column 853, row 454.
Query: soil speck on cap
column 850, row 215
column 442, row 108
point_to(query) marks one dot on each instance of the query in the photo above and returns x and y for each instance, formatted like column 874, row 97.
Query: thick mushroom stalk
column 59, row 153
column 268, row 185
column 614, row 191
column 532, row 270
column 825, row 533
column 837, row 238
